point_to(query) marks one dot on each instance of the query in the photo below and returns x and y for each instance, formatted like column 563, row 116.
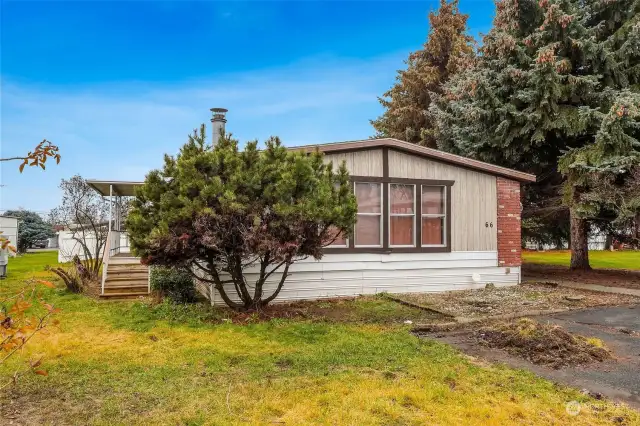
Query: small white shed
column 9, row 228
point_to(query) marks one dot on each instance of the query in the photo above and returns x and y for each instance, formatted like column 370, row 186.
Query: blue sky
column 117, row 84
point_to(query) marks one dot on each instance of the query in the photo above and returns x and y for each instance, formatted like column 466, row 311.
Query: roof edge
column 114, row 182
column 422, row 151
column 96, row 183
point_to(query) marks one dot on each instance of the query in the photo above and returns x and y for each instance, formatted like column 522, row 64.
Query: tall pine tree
column 448, row 48
column 550, row 79
column 604, row 175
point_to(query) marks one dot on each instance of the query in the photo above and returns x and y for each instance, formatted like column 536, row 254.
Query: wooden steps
column 126, row 279
column 122, row 296
column 127, row 276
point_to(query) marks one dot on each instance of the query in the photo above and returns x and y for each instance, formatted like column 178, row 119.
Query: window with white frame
column 402, row 215
column 434, row 216
column 368, row 230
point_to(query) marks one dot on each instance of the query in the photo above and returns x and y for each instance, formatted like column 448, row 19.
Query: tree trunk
column 579, row 243
column 636, row 242
column 608, row 242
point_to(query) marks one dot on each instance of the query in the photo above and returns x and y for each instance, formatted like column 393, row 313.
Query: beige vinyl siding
column 473, row 199
column 359, row 163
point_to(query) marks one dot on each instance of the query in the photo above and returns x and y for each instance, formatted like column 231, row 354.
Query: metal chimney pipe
column 218, row 121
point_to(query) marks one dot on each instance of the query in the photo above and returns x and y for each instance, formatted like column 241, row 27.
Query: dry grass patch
column 545, row 344
column 519, row 298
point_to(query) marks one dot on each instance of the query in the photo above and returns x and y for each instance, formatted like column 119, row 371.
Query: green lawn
column 598, row 259
column 128, row 363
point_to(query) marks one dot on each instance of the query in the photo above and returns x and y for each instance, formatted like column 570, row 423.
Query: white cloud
column 121, row 130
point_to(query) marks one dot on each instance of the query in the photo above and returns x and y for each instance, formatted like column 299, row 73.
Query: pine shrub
column 174, row 283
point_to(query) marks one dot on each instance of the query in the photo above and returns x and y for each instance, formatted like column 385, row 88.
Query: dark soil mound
column 608, row 277
column 542, row 343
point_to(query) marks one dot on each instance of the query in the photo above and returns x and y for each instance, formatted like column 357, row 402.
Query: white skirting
column 339, row 275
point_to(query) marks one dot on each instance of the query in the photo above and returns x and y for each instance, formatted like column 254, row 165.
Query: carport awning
column 122, row 188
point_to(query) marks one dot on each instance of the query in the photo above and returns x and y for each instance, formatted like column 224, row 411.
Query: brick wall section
column 509, row 222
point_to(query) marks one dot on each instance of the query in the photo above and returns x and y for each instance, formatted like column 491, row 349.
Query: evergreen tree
column 550, row 79
column 604, row 175
column 218, row 211
column 31, row 228
column 448, row 49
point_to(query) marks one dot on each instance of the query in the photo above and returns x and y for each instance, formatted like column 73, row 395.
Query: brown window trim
column 386, row 249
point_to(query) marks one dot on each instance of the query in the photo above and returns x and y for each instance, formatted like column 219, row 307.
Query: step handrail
column 105, row 260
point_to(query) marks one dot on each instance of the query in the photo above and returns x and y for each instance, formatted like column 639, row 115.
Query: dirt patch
column 365, row 309
column 605, row 277
column 614, row 378
column 266, row 314
column 508, row 300
column 545, row 344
